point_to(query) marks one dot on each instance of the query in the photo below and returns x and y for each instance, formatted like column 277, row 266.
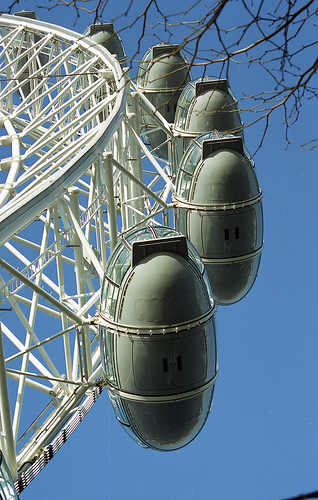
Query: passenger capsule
column 206, row 104
column 157, row 337
column 219, row 209
column 162, row 74
column 106, row 35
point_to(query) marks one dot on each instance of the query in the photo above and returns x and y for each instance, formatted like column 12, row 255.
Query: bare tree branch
column 314, row 494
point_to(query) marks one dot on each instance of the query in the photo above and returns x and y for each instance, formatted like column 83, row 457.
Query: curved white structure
column 54, row 123
column 72, row 177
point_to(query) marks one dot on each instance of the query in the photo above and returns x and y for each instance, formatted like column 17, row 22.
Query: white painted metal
column 5, row 415
column 74, row 175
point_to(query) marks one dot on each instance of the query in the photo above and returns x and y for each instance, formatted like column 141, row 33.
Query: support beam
column 111, row 209
column 46, row 296
column 5, row 415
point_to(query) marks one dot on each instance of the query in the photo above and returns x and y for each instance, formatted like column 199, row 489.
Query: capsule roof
column 165, row 256
column 163, row 67
column 207, row 104
column 216, row 170
column 106, row 35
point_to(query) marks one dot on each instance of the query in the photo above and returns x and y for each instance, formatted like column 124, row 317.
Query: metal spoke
column 74, row 175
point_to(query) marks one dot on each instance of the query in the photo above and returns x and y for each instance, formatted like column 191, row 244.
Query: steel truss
column 74, row 176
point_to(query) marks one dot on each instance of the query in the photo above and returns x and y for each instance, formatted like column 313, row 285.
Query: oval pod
column 158, row 339
column 219, row 208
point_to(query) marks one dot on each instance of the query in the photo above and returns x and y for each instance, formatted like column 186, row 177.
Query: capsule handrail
column 181, row 202
column 164, row 398
column 117, row 328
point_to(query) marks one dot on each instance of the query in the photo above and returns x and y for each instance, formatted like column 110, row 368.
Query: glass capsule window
column 164, row 232
column 109, row 299
column 197, row 261
column 118, row 264
column 188, row 165
column 187, row 95
column 195, row 258
column 184, row 184
column 210, row 136
column 120, row 411
column 180, row 220
column 7, row 490
column 107, row 346
column 143, row 65
column 184, row 102
column 183, row 105
column 192, row 158
column 118, row 408
column 150, row 233
column 139, row 235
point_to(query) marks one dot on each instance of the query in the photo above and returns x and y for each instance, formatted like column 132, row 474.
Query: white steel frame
column 74, row 175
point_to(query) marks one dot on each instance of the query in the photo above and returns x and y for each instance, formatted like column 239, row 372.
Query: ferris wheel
column 89, row 175
column 71, row 181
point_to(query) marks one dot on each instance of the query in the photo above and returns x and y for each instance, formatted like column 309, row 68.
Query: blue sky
column 261, row 438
